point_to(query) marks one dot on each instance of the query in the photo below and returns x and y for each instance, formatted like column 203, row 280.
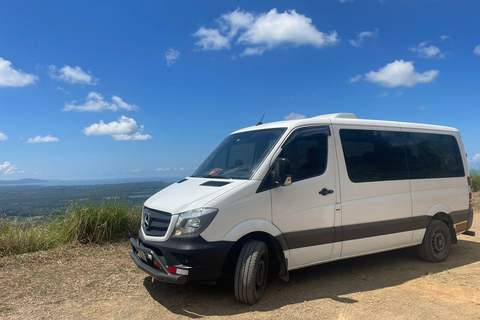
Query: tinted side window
column 372, row 155
column 307, row 153
column 433, row 156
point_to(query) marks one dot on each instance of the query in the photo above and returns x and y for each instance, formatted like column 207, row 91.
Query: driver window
column 307, row 154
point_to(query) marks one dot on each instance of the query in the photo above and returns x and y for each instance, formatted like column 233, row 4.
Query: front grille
column 155, row 223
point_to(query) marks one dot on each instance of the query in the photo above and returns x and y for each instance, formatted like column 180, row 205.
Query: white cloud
column 263, row 31
column 136, row 170
column 294, row 116
column 345, row 1
column 5, row 165
column 171, row 55
column 8, row 168
column 211, row 39
column 72, row 75
column 255, row 51
column 63, row 90
column 96, row 103
column 427, row 51
column 422, row 108
column 163, row 169
column 40, row 139
column 9, row 77
column 354, row 79
column 444, row 37
column 123, row 129
column 476, row 157
column 477, row 50
column 3, row 136
column 362, row 36
column 400, row 73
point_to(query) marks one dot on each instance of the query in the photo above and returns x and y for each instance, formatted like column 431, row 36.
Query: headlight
column 191, row 223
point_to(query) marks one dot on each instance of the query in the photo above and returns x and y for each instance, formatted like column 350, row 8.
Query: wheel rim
column 438, row 242
column 260, row 273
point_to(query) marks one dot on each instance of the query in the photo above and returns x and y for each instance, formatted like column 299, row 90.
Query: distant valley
column 22, row 182
column 38, row 202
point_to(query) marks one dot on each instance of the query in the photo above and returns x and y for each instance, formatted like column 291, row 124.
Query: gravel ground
column 101, row 282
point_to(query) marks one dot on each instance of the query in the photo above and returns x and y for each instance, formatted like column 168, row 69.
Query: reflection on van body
column 303, row 192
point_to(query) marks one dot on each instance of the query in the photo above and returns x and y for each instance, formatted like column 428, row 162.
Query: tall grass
column 475, row 179
column 87, row 223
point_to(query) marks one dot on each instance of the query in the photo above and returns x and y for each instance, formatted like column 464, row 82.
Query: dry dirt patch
column 101, row 282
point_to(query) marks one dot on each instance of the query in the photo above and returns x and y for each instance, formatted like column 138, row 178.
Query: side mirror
column 283, row 172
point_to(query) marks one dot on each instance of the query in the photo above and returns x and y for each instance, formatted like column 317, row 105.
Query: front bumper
column 162, row 274
column 195, row 259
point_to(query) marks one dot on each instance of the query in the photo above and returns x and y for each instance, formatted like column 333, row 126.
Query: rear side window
column 372, row 155
column 433, row 156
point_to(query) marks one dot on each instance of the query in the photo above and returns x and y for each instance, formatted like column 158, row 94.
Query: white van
column 304, row 192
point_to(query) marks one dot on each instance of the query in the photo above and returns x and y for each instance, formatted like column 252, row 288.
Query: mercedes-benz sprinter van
column 304, row 192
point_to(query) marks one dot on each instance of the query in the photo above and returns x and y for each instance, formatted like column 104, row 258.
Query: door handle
column 325, row 191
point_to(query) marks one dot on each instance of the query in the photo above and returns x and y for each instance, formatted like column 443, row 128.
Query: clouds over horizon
column 263, row 31
column 476, row 158
column 400, row 73
column 123, row 129
column 96, row 103
column 10, row 77
column 74, row 75
column 3, row 136
column 8, row 168
column 45, row 139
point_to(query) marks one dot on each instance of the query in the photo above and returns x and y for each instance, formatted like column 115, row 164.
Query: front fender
column 250, row 226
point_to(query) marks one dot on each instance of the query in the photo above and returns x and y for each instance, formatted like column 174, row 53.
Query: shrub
column 99, row 223
column 475, row 179
column 89, row 223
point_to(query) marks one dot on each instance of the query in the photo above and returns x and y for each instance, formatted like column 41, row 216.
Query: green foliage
column 17, row 237
column 475, row 179
column 87, row 223
column 96, row 223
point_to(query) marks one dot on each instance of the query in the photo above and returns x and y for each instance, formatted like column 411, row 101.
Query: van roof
column 346, row 119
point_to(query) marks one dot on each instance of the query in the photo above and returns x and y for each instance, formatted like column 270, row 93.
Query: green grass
column 475, row 179
column 86, row 223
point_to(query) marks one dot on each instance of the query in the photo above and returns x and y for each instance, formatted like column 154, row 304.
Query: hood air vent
column 215, row 183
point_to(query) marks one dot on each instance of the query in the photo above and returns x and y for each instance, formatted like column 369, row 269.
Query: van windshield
column 239, row 155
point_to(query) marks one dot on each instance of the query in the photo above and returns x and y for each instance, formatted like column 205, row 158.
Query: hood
column 190, row 193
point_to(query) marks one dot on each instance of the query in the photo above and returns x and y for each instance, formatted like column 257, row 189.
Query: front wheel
column 251, row 272
column 436, row 242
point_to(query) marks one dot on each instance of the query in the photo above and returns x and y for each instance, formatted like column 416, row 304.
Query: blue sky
column 121, row 89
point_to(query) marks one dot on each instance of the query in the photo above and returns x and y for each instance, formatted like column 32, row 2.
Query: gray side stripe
column 314, row 237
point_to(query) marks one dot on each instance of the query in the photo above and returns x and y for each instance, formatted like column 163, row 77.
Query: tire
column 436, row 243
column 251, row 272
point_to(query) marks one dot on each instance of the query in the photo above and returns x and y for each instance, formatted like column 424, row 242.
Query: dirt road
column 101, row 282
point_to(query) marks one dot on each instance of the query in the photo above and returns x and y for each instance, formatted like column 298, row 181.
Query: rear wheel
column 436, row 242
column 251, row 272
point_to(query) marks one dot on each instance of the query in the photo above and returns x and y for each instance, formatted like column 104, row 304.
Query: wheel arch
column 447, row 219
column 276, row 246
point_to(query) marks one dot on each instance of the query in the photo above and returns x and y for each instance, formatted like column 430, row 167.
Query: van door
column 376, row 200
column 304, row 211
